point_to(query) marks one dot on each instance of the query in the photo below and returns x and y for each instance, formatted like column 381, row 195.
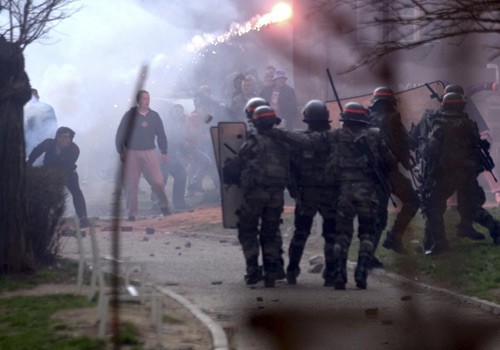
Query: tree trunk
column 16, row 252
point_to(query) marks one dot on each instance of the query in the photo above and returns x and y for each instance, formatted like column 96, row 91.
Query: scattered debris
column 145, row 239
column 217, row 282
column 127, row 228
column 371, row 313
column 316, row 268
column 177, row 247
column 222, row 241
column 150, row 231
column 187, row 245
column 316, row 259
column 167, row 284
column 152, row 254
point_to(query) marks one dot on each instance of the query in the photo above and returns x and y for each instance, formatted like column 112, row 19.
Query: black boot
column 375, row 263
column 392, row 243
column 280, row 270
column 292, row 272
column 361, row 272
column 269, row 281
column 254, row 275
column 336, row 280
column 495, row 233
column 467, row 231
column 339, row 282
column 337, row 276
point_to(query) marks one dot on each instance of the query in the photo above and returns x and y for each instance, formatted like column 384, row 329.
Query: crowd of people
column 351, row 172
column 343, row 174
column 141, row 140
column 190, row 149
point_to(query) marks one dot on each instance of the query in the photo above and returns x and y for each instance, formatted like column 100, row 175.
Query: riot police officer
column 249, row 110
column 263, row 171
column 384, row 115
column 452, row 145
column 421, row 133
column 357, row 159
column 313, row 192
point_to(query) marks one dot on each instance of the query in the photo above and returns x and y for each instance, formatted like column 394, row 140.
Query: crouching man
column 62, row 153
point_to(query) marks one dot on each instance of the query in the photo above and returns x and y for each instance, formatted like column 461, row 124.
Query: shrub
column 46, row 203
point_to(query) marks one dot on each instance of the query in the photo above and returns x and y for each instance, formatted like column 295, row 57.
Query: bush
column 46, row 203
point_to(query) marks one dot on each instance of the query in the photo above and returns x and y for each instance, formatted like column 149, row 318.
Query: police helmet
column 453, row 101
column 453, row 88
column 252, row 104
column 315, row 110
column 265, row 115
column 383, row 93
column 355, row 112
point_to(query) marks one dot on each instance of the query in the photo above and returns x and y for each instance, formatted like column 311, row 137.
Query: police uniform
column 399, row 142
column 312, row 190
column 265, row 170
column 357, row 150
column 452, row 144
column 475, row 193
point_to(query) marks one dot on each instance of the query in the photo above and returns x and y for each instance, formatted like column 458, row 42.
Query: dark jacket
column 287, row 102
column 64, row 159
column 144, row 131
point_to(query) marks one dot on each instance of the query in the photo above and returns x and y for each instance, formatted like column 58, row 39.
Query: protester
column 135, row 142
column 282, row 99
column 62, row 153
column 40, row 121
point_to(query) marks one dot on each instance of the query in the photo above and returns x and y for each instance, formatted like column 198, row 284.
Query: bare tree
column 26, row 21
column 406, row 24
column 21, row 23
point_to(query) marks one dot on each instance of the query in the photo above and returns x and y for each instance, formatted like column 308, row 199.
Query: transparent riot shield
column 214, row 135
column 412, row 103
column 231, row 137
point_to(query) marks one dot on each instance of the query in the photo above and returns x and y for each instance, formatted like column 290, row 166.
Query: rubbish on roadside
column 371, row 313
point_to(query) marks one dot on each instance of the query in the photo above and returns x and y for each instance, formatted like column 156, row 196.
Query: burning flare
column 280, row 12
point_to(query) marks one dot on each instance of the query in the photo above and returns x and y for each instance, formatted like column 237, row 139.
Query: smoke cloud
column 88, row 65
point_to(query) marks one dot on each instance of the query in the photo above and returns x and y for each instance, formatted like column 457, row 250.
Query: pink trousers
column 146, row 163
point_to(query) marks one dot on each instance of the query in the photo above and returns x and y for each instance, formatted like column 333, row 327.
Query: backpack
column 455, row 140
column 347, row 161
column 267, row 163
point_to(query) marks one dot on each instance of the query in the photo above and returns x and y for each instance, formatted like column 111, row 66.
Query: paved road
column 206, row 267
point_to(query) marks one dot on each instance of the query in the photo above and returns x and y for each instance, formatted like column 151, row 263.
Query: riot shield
column 412, row 103
column 214, row 135
column 231, row 136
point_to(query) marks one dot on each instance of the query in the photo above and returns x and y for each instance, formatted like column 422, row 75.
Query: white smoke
column 88, row 66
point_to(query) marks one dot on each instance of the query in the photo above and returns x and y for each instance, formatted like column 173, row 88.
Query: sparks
column 280, row 12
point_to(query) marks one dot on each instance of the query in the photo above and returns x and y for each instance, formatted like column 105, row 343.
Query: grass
column 471, row 268
column 26, row 323
column 63, row 271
